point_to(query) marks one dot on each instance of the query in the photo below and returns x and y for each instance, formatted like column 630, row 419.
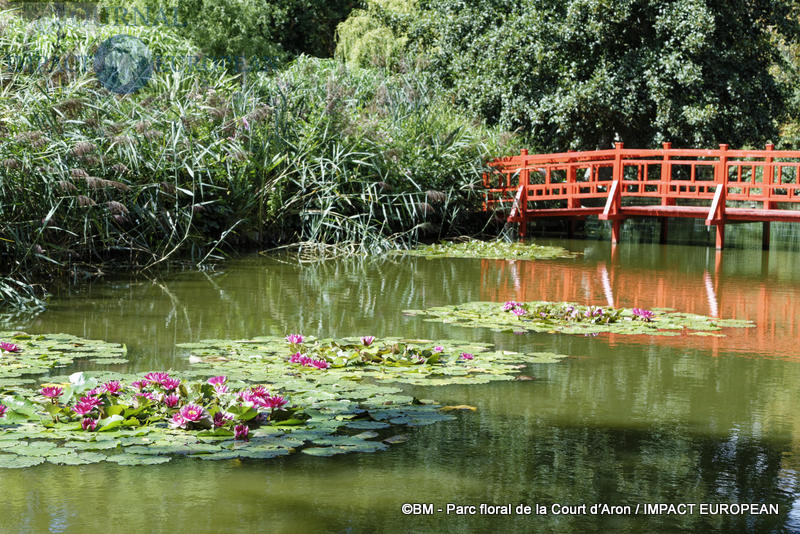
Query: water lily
column 320, row 364
column 140, row 384
column 90, row 401
column 170, row 383
column 94, row 392
column 367, row 340
column 519, row 312
column 295, row 358
column 221, row 389
column 438, row 348
column 192, row 412
column 644, row 315
column 89, row 424
column 467, row 356
column 51, row 392
column 510, row 305
column 259, row 391
column 145, row 395
column 112, row 387
column 275, row 401
column 171, row 400
column 220, row 418
column 3, row 410
column 156, row 378
column 294, row 339
column 177, row 421
column 8, row 347
column 82, row 408
column 241, row 432
column 217, row 380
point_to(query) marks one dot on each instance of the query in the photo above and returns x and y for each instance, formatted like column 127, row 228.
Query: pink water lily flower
column 259, row 391
column 438, row 348
column 320, row 364
column 192, row 412
column 294, row 339
column 221, row 389
column 112, row 387
column 367, row 340
column 220, row 418
column 90, row 401
column 214, row 380
column 89, row 424
column 178, row 421
column 8, row 347
column 644, row 315
column 82, row 408
column 94, row 392
column 467, row 356
column 156, row 378
column 241, row 432
column 519, row 312
column 140, row 384
column 170, row 383
column 510, row 305
column 3, row 410
column 295, row 358
column 171, row 400
column 51, row 392
column 275, row 401
column 145, row 395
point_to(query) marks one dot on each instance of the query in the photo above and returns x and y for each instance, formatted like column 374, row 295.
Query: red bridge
column 720, row 186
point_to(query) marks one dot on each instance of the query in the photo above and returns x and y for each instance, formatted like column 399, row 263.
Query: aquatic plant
column 3, row 409
column 294, row 339
column 8, row 347
column 39, row 354
column 51, row 392
column 367, row 340
column 571, row 318
column 503, row 250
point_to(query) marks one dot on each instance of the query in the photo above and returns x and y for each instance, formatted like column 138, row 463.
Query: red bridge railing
column 720, row 185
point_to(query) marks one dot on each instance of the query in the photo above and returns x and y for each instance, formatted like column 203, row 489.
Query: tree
column 581, row 74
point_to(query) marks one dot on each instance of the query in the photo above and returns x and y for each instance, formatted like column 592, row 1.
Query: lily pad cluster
column 350, row 361
column 501, row 250
column 148, row 420
column 34, row 354
column 571, row 318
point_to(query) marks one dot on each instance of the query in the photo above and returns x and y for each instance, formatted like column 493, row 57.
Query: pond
column 625, row 420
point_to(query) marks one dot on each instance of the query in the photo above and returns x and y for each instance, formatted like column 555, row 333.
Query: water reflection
column 625, row 420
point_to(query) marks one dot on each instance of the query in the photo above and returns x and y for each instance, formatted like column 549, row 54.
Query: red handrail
column 655, row 177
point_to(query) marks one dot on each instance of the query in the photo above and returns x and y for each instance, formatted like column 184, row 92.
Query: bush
column 582, row 73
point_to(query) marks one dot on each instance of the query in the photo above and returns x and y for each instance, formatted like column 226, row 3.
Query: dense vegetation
column 582, row 73
column 373, row 149
column 198, row 163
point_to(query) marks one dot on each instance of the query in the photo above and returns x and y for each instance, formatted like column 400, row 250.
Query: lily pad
column 503, row 250
column 571, row 318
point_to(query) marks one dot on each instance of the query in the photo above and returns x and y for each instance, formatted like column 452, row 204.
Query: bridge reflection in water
column 763, row 299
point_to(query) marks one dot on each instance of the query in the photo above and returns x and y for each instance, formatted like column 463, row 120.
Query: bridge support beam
column 765, row 235
column 720, row 235
column 664, row 227
column 616, row 231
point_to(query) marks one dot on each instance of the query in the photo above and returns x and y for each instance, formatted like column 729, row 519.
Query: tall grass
column 198, row 165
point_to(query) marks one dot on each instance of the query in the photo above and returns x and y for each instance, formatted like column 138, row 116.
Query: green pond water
column 625, row 420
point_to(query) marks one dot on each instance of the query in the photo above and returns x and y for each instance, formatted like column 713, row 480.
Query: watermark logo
column 123, row 64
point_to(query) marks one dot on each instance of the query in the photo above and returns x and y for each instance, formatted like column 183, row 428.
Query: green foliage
column 372, row 37
column 198, row 163
column 490, row 249
column 582, row 73
column 264, row 28
column 541, row 316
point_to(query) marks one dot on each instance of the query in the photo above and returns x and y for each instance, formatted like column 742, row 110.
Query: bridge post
column 615, row 197
column 718, row 207
column 573, row 201
column 524, row 181
column 666, row 177
column 768, row 180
